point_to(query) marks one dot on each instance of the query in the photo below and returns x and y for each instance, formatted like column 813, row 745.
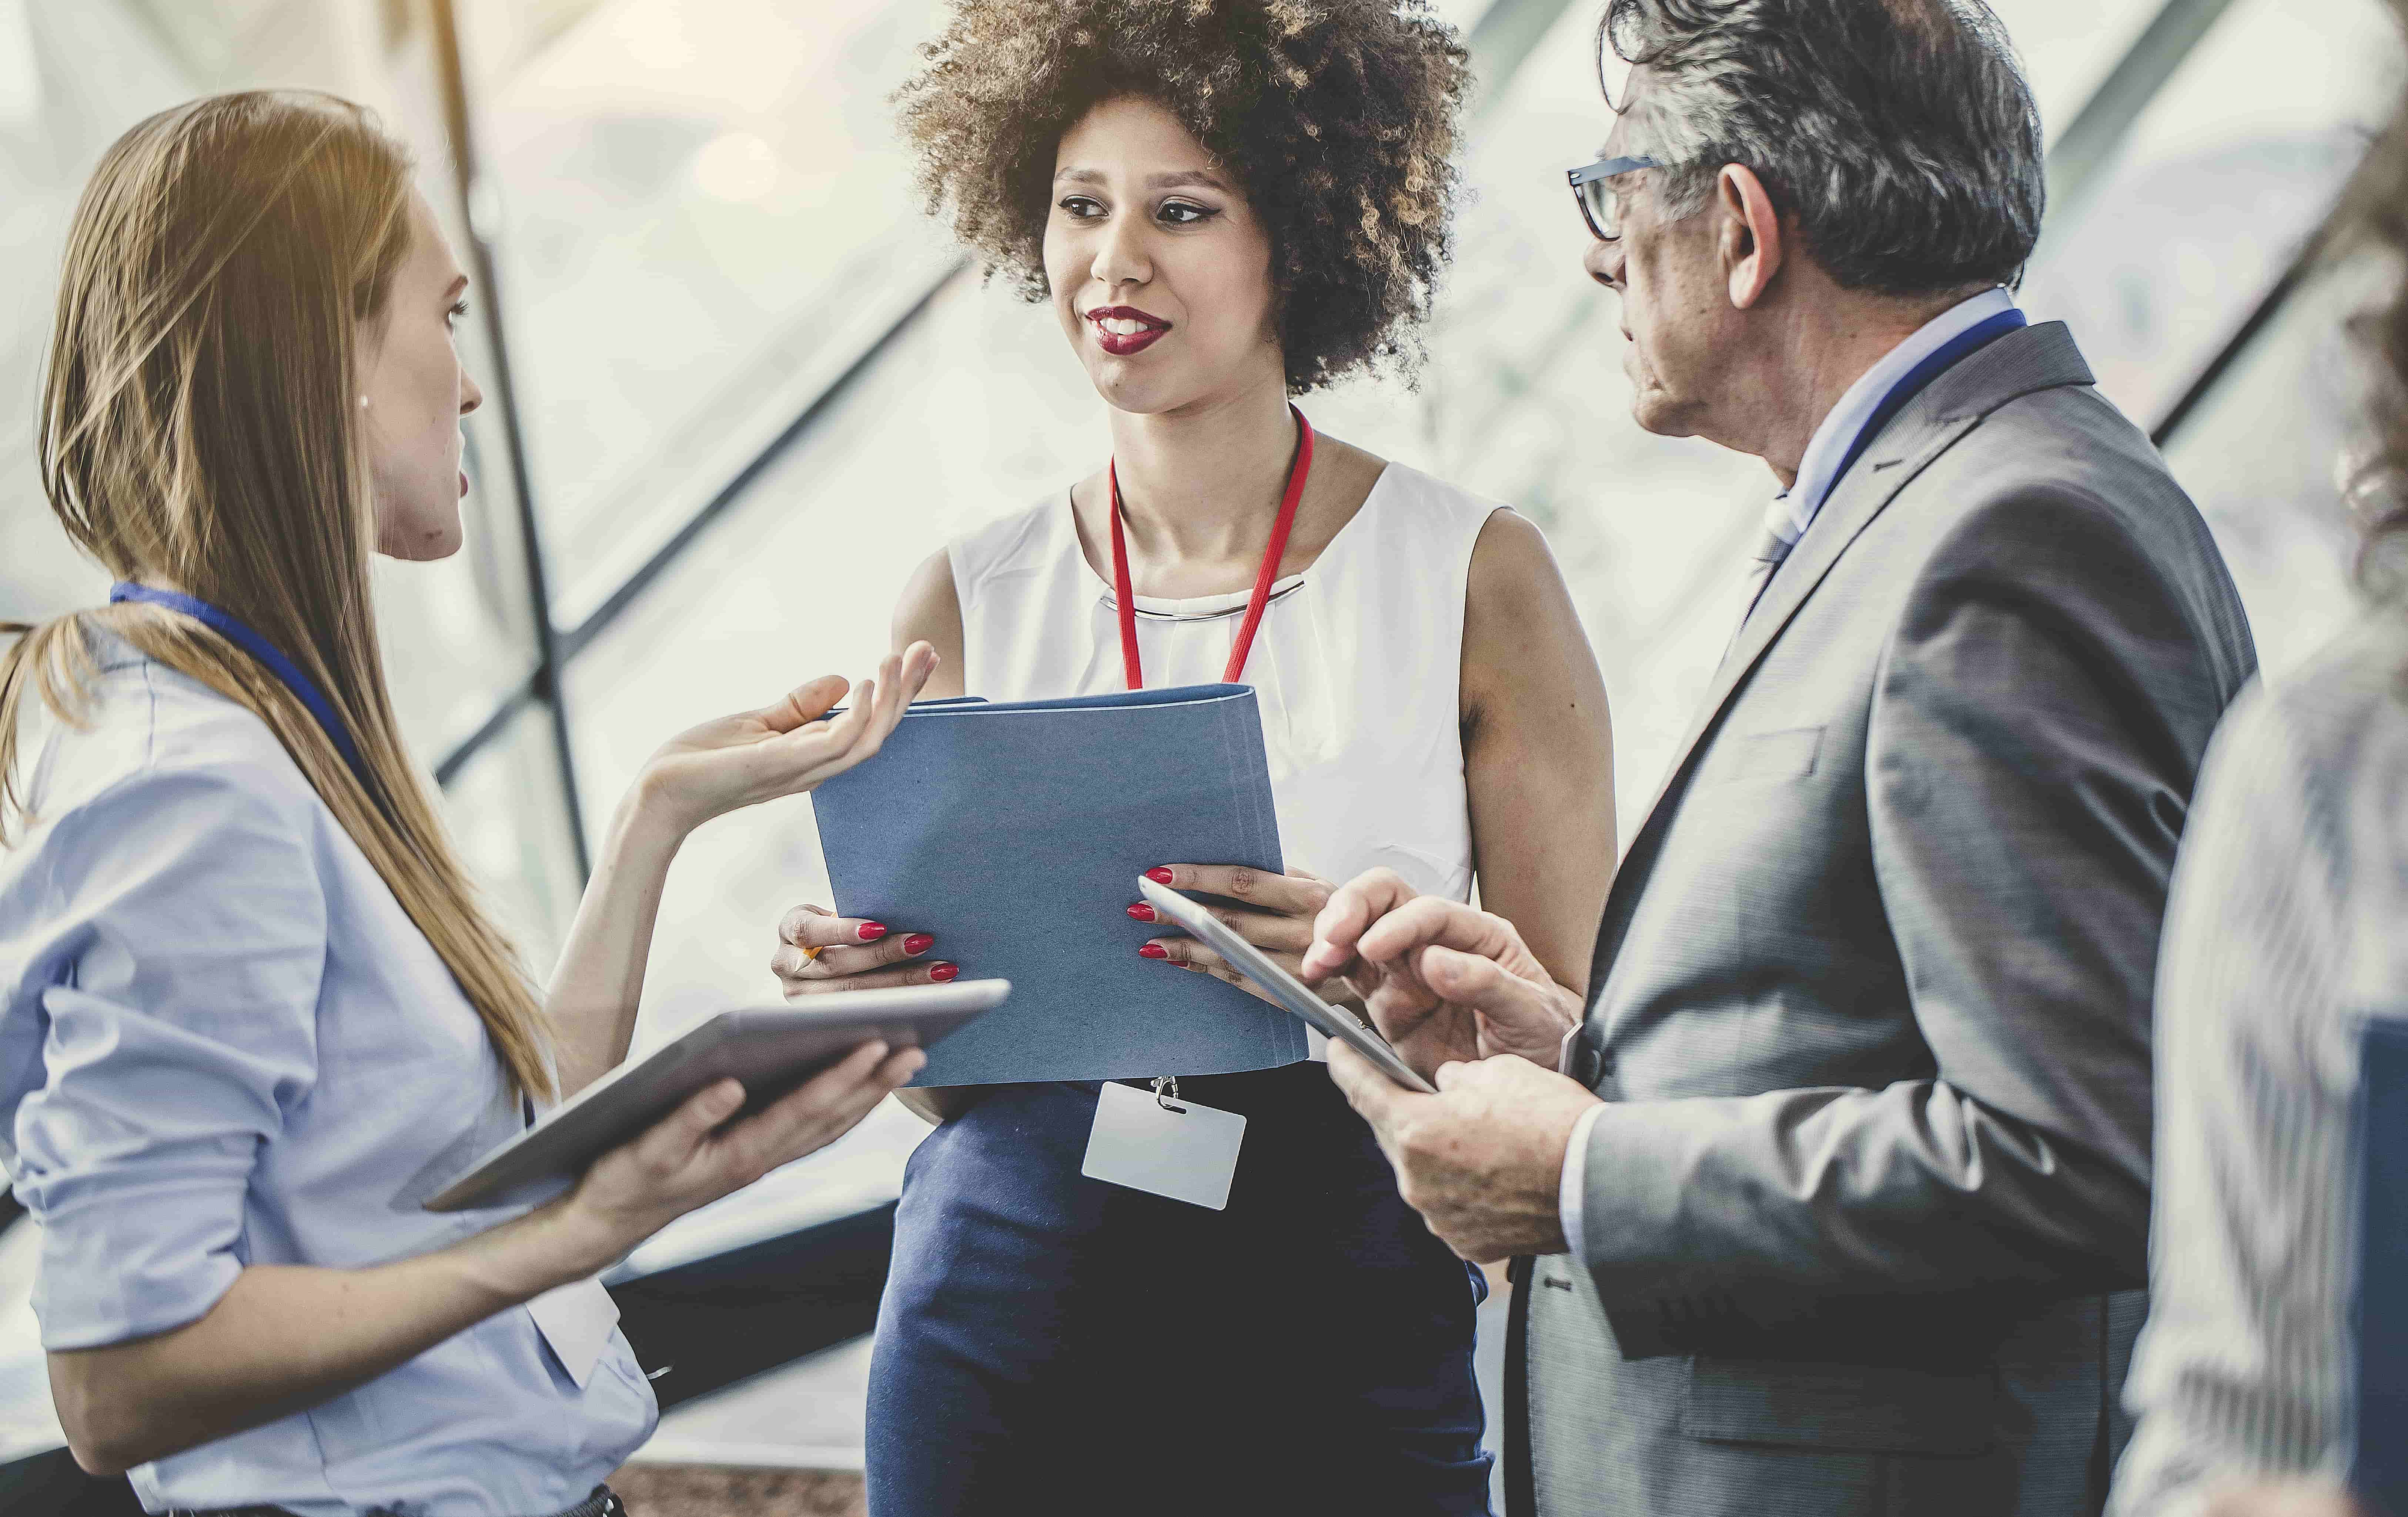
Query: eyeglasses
column 1599, row 207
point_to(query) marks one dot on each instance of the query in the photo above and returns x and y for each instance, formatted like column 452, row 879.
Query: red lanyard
column 1263, row 580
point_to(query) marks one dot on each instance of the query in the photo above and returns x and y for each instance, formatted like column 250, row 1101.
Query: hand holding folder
column 1013, row 832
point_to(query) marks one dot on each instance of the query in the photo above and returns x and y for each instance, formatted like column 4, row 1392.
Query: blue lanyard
column 1978, row 335
column 304, row 689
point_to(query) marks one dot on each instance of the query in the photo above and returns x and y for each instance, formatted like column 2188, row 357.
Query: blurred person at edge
column 1840, row 1181
column 2284, row 936
column 250, row 1014
column 1226, row 203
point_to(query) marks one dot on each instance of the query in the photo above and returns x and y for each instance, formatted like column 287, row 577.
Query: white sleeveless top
column 1357, row 666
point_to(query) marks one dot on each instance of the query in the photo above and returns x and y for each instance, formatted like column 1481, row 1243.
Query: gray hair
column 1899, row 133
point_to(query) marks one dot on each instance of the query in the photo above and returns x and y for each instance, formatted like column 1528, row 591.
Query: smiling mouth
column 1124, row 330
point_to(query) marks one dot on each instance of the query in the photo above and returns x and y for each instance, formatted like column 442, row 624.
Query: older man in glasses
column 1839, row 1184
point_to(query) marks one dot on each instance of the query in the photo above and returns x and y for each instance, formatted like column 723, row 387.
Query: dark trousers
column 1053, row 1342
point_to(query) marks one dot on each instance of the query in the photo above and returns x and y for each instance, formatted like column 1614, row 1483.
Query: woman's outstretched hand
column 785, row 748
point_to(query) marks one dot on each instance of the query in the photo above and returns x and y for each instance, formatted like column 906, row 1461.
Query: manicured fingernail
column 1153, row 950
column 943, row 972
column 918, row 943
column 1160, row 877
column 1140, row 912
column 870, row 932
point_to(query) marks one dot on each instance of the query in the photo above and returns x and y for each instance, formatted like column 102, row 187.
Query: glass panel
column 53, row 121
column 703, row 219
column 506, row 818
column 2068, row 46
column 454, row 639
column 2263, row 454
column 2225, row 174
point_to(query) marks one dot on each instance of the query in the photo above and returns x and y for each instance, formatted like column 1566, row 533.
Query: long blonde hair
column 200, row 426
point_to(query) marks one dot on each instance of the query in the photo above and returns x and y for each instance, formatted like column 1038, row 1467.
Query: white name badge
column 1184, row 1151
column 577, row 1320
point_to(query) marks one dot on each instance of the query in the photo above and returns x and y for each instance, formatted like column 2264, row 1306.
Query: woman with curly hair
column 1227, row 204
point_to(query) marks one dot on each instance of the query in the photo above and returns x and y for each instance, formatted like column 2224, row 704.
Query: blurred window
column 704, row 218
column 2222, row 178
column 456, row 635
column 2264, row 455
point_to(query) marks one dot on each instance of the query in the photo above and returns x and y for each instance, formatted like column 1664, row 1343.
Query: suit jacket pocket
column 1870, row 1408
column 1786, row 754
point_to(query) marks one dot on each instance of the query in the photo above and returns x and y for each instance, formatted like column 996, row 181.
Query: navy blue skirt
column 1053, row 1343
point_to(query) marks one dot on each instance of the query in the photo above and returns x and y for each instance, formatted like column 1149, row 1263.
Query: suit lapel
column 2035, row 358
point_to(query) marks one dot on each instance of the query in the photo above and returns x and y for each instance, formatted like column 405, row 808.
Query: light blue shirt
column 1787, row 517
column 222, row 1043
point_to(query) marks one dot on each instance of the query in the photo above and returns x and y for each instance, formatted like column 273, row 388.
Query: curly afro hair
column 1338, row 117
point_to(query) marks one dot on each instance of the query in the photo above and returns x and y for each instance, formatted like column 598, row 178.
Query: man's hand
column 1443, row 981
column 1482, row 1160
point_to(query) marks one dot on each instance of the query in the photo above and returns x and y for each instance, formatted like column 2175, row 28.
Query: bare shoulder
column 930, row 610
column 1513, row 570
column 1088, row 496
column 1351, row 471
column 1516, row 604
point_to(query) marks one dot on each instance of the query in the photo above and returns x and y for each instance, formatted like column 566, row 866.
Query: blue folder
column 2380, row 1471
column 1016, row 831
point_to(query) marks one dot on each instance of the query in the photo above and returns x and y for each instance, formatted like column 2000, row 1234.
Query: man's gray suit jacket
column 1866, row 1216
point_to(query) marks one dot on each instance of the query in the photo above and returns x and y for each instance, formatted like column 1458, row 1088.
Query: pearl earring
column 364, row 403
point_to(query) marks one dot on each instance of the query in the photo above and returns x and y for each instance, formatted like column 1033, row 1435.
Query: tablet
column 1288, row 990
column 771, row 1050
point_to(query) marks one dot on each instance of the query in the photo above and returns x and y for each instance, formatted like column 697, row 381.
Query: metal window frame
column 477, row 203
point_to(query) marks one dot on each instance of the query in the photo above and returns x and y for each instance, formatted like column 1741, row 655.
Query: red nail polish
column 870, row 932
column 1153, row 950
column 1160, row 877
column 918, row 943
column 943, row 972
column 1140, row 912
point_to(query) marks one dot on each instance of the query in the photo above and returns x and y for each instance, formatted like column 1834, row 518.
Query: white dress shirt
column 1786, row 519
column 223, row 1043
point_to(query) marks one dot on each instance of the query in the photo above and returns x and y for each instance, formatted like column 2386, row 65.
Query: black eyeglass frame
column 1596, row 174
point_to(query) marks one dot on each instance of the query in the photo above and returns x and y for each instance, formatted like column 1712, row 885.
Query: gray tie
column 1770, row 550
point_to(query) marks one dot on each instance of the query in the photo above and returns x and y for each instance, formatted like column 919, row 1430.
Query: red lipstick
column 1125, row 344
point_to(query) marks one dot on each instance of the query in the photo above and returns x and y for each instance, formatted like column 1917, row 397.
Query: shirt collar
column 1793, row 510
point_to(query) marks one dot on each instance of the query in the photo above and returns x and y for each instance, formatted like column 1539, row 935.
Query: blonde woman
column 250, row 1011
